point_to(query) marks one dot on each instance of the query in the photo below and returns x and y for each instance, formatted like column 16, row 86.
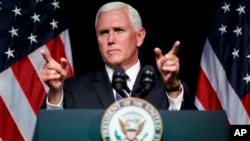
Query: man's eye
column 103, row 32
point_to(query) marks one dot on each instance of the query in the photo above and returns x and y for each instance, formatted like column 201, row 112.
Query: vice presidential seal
column 131, row 119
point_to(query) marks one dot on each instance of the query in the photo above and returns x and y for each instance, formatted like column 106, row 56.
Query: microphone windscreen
column 148, row 77
column 119, row 71
column 118, row 80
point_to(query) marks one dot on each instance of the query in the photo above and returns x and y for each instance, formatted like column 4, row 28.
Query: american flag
column 26, row 27
column 224, row 76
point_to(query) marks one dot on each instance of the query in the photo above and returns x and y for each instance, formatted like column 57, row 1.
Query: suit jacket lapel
column 136, row 86
column 103, row 88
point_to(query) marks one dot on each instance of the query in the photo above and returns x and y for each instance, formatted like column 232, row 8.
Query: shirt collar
column 131, row 72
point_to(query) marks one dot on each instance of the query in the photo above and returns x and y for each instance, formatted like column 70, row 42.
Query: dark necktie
column 119, row 96
column 125, row 92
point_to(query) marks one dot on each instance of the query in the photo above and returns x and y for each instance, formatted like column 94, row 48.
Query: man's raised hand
column 54, row 73
column 168, row 64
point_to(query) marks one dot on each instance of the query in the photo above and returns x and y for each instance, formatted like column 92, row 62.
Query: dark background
column 165, row 22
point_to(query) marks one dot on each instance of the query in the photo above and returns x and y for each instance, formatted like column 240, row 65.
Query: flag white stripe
column 199, row 105
column 17, row 104
column 216, row 74
column 38, row 61
column 67, row 47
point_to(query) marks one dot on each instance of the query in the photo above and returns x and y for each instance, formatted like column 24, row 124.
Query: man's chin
column 114, row 64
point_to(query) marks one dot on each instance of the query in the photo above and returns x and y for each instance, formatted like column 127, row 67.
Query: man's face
column 118, row 41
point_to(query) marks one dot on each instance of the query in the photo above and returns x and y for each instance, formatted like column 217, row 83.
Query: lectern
column 84, row 125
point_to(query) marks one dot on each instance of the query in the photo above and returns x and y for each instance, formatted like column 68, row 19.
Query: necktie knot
column 126, row 77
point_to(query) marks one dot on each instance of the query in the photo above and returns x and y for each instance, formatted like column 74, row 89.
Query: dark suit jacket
column 94, row 91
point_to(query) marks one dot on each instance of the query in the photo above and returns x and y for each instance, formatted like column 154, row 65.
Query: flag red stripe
column 8, row 128
column 57, row 50
column 206, row 93
column 34, row 92
column 17, row 104
column 245, row 101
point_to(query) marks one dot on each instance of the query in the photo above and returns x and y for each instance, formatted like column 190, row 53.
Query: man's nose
column 111, row 37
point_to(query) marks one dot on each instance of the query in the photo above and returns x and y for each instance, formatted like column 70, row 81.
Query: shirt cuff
column 175, row 103
column 51, row 106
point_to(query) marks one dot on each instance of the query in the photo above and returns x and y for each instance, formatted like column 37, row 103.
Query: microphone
column 147, row 82
column 119, row 82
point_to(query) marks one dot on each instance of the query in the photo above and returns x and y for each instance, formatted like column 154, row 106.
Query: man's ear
column 140, row 36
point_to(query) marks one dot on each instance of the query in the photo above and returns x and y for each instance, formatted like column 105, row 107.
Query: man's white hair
column 133, row 14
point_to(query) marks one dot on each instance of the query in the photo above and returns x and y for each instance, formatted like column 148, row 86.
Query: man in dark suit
column 120, row 34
